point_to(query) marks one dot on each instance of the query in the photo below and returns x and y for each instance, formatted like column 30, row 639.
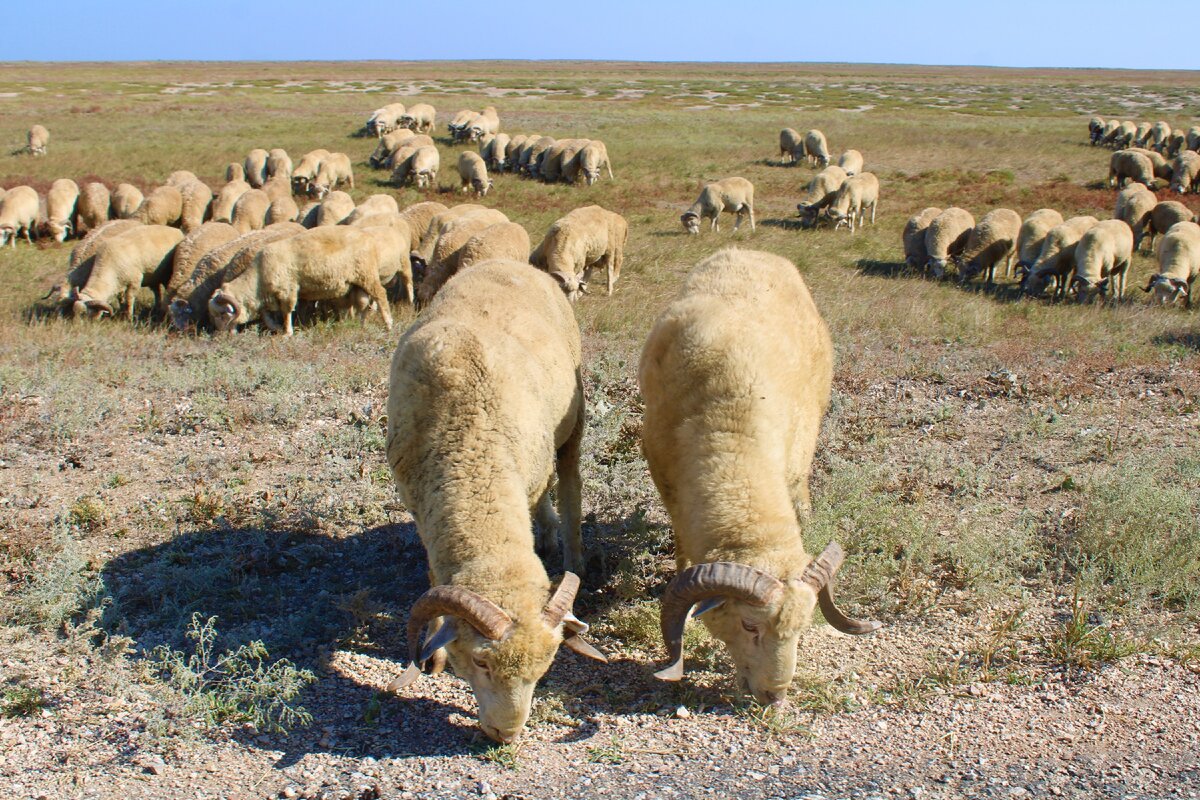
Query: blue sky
column 1012, row 33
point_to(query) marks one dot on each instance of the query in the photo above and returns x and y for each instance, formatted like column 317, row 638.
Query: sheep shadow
column 1191, row 340
column 786, row 223
column 899, row 270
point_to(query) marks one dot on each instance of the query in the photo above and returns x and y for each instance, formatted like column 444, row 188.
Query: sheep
column 1175, row 143
column 740, row 351
column 418, row 217
column 555, row 160
column 235, row 172
column 497, row 149
column 471, row 240
column 1122, row 136
column 580, row 242
column 992, row 241
column 816, row 148
column 1162, row 168
column 1192, row 137
column 189, row 306
column 279, row 165
column 1109, row 130
column 1178, row 265
column 488, row 121
column 83, row 256
column 1134, row 204
column 163, row 206
column 791, row 146
column 424, row 166
column 431, row 274
column 1057, row 257
column 330, row 263
column 278, row 188
column 384, row 120
column 387, row 145
column 1167, row 215
column 915, row 254
column 1141, row 135
column 437, row 221
column 1185, row 172
column 250, row 211
column 478, row 483
column 61, row 203
column 458, row 125
column 1160, row 135
column 93, row 208
column 375, row 204
column 191, row 249
column 420, row 118
column 306, row 170
column 139, row 257
column 196, row 205
column 851, row 161
column 1125, row 165
column 946, row 238
column 334, row 208
column 256, row 167
column 1095, row 130
column 531, row 160
column 393, row 241
column 473, row 174
column 506, row 241
column 589, row 161
column 1033, row 235
column 180, row 177
column 819, row 193
column 735, row 195
column 38, row 138
column 852, row 200
column 1102, row 258
column 309, row 214
column 282, row 209
column 227, row 198
column 126, row 200
column 401, row 163
column 335, row 171
column 512, row 152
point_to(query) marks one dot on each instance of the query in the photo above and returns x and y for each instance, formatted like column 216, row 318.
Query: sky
column 1017, row 33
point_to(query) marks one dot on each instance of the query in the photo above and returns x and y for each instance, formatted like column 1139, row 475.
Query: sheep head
column 502, row 657
column 225, row 311
column 573, row 286
column 59, row 230
column 691, row 222
column 183, row 316
column 85, row 306
column 1167, row 290
column 759, row 617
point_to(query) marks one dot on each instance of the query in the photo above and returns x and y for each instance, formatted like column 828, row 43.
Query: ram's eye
column 749, row 627
column 483, row 665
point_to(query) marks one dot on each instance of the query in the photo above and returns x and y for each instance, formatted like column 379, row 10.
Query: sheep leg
column 609, row 166
column 750, row 209
column 874, row 206
column 285, row 309
column 130, row 293
column 546, row 524
column 379, row 295
column 570, row 491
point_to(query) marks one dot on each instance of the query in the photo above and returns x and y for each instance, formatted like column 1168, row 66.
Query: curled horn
column 451, row 601
column 819, row 575
column 558, row 612
column 704, row 582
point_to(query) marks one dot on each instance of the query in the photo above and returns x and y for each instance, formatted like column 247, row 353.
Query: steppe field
column 205, row 570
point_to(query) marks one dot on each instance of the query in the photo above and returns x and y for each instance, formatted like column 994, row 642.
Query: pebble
column 682, row 713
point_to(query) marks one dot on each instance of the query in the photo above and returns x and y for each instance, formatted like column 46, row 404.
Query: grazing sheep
column 18, row 213
column 497, row 151
column 420, row 118
column 856, row 195
column 389, row 144
column 512, row 152
column 123, row 264
column 250, row 211
column 418, row 217
column 946, row 238
column 256, row 167
column 531, row 159
column 819, row 193
column 309, row 214
column 180, row 177
column 1134, row 204
column 335, row 171
column 477, row 483
column 1057, row 258
column 393, row 240
column 278, row 188
column 1141, row 136
column 590, row 160
column 1162, row 168
column 473, row 174
column 191, row 249
column 227, row 198
column 555, row 161
column 452, row 237
column 427, row 237
column 1095, row 130
column 1102, row 258
column 61, row 203
column 384, row 120
column 915, row 254
column 401, row 164
column 1033, row 235
column 469, row 241
column 1178, row 265
column 83, row 256
column 742, row 350
column 1126, row 165
column 735, row 195
column 93, row 208
column 1185, row 173
column 1160, row 136
column 488, row 121
column 279, row 165
column 1121, row 136
column 38, row 138
column 791, row 146
column 126, row 200
column 334, row 209
column 993, row 241
column 1192, row 137
column 1167, row 215
column 163, row 206
column 1110, row 130
column 306, row 170
column 851, row 161
column 584, row 240
column 458, row 125
column 331, row 263
column 1175, row 143
column 196, row 205
column 424, row 166
column 816, row 148
column 506, row 241
column 282, row 209
column 235, row 172
column 375, row 204
column 189, row 308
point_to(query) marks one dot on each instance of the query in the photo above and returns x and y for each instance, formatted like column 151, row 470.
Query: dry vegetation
column 1016, row 481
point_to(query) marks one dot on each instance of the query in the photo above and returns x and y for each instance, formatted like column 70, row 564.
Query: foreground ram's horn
column 703, row 582
column 559, row 604
column 819, row 575
column 455, row 601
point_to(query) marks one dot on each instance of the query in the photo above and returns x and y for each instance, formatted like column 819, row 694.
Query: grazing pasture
column 205, row 571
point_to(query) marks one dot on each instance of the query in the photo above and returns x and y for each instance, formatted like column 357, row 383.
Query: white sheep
column 791, row 146
column 588, row 162
column 196, row 205
column 18, row 214
column 94, row 206
column 420, row 117
column 418, row 216
column 1166, row 215
column 473, row 174
column 1102, row 259
column 180, row 177
column 992, row 241
column 282, row 209
column 226, row 200
column 123, row 264
column 126, row 200
column 512, row 153
column 734, row 195
column 424, row 166
column 584, row 240
column 851, row 161
column 256, row 167
column 336, row 170
column 531, row 158
column 306, row 169
column 393, row 241
column 458, row 124
column 1160, row 136
column 334, row 209
column 819, row 193
column 83, row 256
column 476, row 483
column 1033, row 235
column 279, row 165
column 375, row 204
column 38, row 138
column 816, row 148
column 1185, row 172
column 557, row 157
column 163, row 206
column 1134, row 204
column 442, row 265
column 62, row 202
column 250, row 211
column 495, row 150
column 388, row 144
column 742, row 350
column 482, row 124
column 856, row 195
column 504, row 241
column 437, row 221
column 1127, row 165
column 1095, row 130
column 193, row 247
column 1057, row 257
column 1178, row 264
column 946, row 238
column 235, row 171
column 915, row 254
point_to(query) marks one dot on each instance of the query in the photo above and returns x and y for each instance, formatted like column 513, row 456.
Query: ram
column 1178, row 265
column 141, row 256
column 741, row 350
column 1057, row 257
column 83, row 256
column 734, row 195
column 819, row 193
column 850, row 204
column 584, row 240
column 477, row 482
column 1102, row 260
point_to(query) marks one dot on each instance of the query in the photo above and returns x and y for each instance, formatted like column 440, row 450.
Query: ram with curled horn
column 736, row 376
column 485, row 419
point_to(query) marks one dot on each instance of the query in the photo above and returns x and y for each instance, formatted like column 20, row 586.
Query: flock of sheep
column 1146, row 153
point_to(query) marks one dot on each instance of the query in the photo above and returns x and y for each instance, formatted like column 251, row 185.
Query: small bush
column 21, row 701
